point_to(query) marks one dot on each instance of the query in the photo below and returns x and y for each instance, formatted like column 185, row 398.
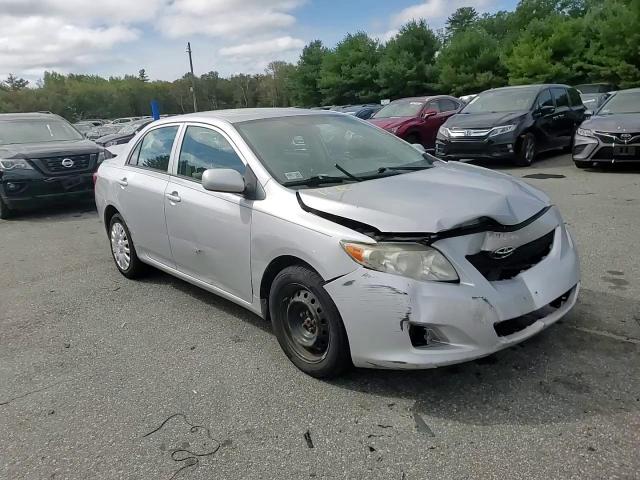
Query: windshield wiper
column 316, row 180
column 347, row 173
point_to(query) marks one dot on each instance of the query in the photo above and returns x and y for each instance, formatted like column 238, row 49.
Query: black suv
column 513, row 123
column 43, row 160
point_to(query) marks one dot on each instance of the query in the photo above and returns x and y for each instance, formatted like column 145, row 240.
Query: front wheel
column 122, row 249
column 307, row 323
column 526, row 152
column 5, row 213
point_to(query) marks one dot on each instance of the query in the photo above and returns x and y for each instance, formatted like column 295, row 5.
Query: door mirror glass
column 429, row 113
column 223, row 180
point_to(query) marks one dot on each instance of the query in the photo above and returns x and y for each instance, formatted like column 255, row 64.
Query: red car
column 417, row 119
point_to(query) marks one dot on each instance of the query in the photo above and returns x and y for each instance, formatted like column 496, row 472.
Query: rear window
column 37, row 131
column 401, row 108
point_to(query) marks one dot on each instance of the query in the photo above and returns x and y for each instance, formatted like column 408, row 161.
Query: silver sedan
column 358, row 247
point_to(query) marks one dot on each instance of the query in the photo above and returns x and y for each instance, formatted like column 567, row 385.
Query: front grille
column 606, row 153
column 523, row 258
column 56, row 164
column 515, row 325
column 619, row 138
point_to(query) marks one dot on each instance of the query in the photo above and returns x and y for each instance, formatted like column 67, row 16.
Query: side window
column 447, row 105
column 574, row 97
column 545, row 100
column 561, row 96
column 203, row 149
column 432, row 105
column 154, row 150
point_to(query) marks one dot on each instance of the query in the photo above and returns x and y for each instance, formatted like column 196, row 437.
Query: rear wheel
column 307, row 323
column 123, row 250
column 526, row 151
column 5, row 213
column 413, row 138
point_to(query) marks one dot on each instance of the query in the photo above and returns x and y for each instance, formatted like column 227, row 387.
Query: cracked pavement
column 91, row 362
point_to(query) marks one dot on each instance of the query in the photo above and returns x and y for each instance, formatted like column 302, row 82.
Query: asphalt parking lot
column 92, row 364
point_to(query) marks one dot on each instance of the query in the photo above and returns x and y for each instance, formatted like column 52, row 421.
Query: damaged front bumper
column 396, row 322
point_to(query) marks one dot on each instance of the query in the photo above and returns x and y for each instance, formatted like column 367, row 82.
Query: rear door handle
column 123, row 182
column 173, row 197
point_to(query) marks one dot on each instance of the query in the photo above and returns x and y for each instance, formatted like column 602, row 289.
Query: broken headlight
column 412, row 260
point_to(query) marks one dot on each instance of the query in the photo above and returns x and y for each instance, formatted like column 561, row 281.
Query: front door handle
column 123, row 182
column 173, row 197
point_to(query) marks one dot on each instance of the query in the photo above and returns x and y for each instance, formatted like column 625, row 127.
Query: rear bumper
column 22, row 194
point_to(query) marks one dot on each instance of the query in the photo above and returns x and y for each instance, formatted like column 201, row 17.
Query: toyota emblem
column 625, row 136
column 502, row 252
column 67, row 163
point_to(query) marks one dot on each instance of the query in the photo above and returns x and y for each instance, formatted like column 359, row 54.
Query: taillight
column 95, row 178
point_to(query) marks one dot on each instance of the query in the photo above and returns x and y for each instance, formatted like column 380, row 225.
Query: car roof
column 536, row 87
column 238, row 115
column 629, row 90
column 27, row 116
column 423, row 98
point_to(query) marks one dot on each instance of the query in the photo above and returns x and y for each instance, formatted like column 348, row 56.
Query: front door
column 209, row 232
column 546, row 134
column 141, row 194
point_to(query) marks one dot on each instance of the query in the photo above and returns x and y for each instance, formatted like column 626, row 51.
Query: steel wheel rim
column 305, row 326
column 120, row 246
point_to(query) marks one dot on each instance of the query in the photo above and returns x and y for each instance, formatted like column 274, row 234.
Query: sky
column 118, row 37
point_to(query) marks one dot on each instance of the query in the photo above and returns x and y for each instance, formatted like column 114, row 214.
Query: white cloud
column 435, row 12
column 266, row 47
column 227, row 18
column 35, row 43
column 84, row 11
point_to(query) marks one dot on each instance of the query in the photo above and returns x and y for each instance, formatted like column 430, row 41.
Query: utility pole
column 193, row 79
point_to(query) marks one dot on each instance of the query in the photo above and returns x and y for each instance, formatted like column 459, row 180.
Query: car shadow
column 54, row 212
column 157, row 277
column 562, row 374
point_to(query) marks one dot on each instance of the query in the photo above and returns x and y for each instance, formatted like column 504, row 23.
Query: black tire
column 526, row 151
column 5, row 213
column 582, row 164
column 307, row 323
column 413, row 138
column 135, row 267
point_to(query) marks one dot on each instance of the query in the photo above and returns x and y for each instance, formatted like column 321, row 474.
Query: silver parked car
column 358, row 247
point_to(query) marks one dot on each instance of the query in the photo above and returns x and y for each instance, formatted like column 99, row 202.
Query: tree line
column 563, row 41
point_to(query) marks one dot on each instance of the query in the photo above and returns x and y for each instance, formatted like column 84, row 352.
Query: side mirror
column 419, row 147
column 547, row 109
column 588, row 113
column 223, row 180
column 429, row 113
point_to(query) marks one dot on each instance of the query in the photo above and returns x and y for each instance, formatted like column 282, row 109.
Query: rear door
column 563, row 119
column 209, row 232
column 431, row 124
column 141, row 194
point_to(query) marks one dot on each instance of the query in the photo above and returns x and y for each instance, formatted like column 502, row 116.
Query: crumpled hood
column 628, row 122
column 483, row 120
column 389, row 123
column 431, row 200
column 48, row 149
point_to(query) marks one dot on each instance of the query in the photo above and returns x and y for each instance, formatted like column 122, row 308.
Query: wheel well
column 109, row 212
column 276, row 266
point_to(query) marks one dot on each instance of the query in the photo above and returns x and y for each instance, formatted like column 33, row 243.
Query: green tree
column 142, row 75
column 13, row 83
column 470, row 63
column 549, row 50
column 407, row 64
column 349, row 72
column 461, row 19
column 305, row 80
